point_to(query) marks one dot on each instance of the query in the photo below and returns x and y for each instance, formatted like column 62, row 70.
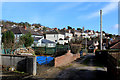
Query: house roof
column 33, row 32
column 116, row 46
column 47, row 41
column 113, row 42
column 52, row 32
column 19, row 30
column 37, row 38
column 55, row 32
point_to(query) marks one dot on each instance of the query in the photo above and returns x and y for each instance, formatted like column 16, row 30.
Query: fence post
column 34, row 66
column 55, row 50
column 45, row 49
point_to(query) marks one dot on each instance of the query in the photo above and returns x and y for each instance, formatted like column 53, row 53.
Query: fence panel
column 58, row 50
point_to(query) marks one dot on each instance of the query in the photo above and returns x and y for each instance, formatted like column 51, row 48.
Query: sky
column 63, row 14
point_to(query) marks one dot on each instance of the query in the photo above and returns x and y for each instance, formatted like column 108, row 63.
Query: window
column 55, row 40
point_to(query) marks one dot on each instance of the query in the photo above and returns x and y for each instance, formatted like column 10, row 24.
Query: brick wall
column 65, row 59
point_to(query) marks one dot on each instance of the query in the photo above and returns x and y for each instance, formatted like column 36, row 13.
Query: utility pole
column 101, row 30
column 86, row 43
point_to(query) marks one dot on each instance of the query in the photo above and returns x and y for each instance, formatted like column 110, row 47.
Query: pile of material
column 24, row 51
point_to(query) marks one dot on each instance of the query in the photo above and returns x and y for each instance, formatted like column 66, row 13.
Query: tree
column 44, row 28
column 36, row 25
column 27, row 24
column 69, row 27
column 8, row 40
column 110, row 35
column 78, row 28
column 27, row 39
column 21, row 24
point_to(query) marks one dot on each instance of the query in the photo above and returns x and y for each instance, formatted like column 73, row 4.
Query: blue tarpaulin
column 44, row 59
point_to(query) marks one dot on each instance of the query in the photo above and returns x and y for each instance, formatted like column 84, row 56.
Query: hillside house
column 19, row 31
column 41, row 42
column 56, row 36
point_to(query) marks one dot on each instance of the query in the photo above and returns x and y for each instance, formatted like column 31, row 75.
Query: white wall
column 68, row 34
column 37, row 36
column 77, row 33
column 47, row 45
column 63, row 41
column 53, row 37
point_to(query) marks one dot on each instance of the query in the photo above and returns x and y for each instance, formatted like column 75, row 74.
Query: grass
column 19, row 72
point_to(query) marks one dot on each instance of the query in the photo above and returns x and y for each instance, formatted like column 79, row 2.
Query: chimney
column 83, row 29
column 87, row 31
column 100, row 29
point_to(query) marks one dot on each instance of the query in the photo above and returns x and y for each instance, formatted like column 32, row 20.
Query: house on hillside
column 67, row 33
column 85, row 35
column 41, row 42
column 19, row 31
column 76, row 33
column 56, row 36
column 91, row 44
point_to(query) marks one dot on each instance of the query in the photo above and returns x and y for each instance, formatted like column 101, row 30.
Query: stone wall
column 21, row 63
column 65, row 59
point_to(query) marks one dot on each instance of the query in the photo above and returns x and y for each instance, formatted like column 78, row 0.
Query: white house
column 41, row 42
column 13, row 26
column 68, row 35
column 77, row 33
column 94, row 44
column 56, row 37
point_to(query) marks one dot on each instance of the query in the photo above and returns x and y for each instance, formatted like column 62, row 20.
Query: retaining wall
column 21, row 63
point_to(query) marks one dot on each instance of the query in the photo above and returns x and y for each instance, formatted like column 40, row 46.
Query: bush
column 75, row 48
column 27, row 39
column 85, row 50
